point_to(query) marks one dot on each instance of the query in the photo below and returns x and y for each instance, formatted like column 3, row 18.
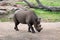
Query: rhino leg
column 16, row 28
column 16, row 23
column 30, row 27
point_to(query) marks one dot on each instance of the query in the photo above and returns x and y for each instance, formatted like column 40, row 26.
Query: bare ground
column 51, row 31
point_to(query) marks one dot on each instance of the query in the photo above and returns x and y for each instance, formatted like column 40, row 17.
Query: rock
column 4, row 3
column 2, row 12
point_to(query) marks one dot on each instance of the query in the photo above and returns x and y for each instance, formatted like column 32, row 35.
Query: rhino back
column 25, row 16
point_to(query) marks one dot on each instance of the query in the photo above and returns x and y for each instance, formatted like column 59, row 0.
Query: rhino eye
column 38, row 22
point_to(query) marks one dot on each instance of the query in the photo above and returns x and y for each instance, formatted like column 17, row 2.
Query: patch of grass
column 21, row 3
column 48, row 2
column 4, row 19
column 44, row 2
column 51, row 2
column 33, row 1
column 50, row 16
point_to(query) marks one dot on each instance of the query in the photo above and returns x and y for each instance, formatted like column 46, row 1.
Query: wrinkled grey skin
column 29, row 18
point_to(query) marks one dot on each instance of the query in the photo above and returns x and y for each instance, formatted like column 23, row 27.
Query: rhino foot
column 40, row 29
column 16, row 29
column 33, row 31
column 29, row 31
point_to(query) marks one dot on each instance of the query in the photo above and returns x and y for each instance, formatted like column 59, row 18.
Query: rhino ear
column 39, row 19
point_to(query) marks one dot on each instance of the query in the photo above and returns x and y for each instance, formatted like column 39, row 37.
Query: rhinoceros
column 27, row 17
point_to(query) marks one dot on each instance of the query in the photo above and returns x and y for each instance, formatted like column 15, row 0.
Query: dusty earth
column 51, row 31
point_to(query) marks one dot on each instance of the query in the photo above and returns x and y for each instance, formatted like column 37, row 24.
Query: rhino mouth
column 39, row 29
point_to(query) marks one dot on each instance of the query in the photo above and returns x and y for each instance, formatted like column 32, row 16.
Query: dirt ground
column 51, row 31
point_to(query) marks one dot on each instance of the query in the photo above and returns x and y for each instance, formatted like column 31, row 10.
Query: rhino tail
column 15, row 19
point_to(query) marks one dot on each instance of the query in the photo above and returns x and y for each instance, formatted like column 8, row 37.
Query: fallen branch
column 41, row 6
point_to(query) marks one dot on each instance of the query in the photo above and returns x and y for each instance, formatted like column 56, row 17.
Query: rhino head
column 37, row 25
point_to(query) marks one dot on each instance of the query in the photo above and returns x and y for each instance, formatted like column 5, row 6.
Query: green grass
column 47, row 15
column 21, row 3
column 4, row 19
column 51, row 2
column 50, row 16
column 48, row 2
column 44, row 2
